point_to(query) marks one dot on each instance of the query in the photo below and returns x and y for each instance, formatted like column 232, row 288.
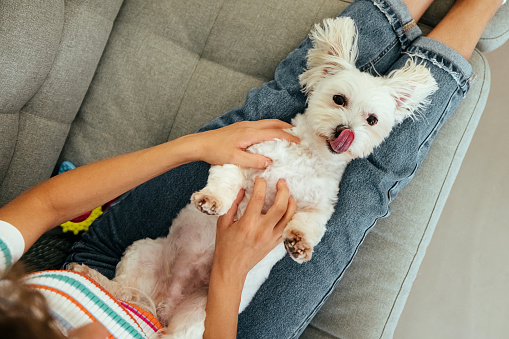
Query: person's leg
column 385, row 31
column 417, row 7
column 466, row 35
column 296, row 292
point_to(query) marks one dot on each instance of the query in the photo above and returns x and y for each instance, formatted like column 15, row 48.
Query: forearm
column 223, row 303
column 73, row 193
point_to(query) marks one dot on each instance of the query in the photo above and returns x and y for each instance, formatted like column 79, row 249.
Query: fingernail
column 268, row 163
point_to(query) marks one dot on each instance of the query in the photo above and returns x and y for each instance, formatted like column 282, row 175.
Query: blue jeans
column 386, row 41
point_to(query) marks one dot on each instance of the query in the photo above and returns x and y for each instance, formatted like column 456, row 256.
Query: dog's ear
column 334, row 49
column 411, row 87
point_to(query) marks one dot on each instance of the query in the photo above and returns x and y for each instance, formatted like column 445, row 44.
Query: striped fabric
column 12, row 246
column 75, row 300
column 5, row 256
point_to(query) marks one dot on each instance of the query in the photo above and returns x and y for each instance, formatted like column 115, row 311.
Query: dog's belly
column 187, row 261
column 311, row 182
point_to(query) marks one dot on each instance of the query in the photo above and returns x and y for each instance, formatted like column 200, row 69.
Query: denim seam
column 444, row 64
column 335, row 283
column 371, row 65
column 394, row 21
column 389, row 193
column 426, row 228
column 428, row 137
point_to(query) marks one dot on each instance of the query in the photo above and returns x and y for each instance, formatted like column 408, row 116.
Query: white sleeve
column 12, row 246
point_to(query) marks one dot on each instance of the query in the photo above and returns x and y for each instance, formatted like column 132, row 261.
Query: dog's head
column 354, row 111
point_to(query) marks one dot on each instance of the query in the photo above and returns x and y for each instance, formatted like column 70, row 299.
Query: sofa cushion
column 61, row 43
column 168, row 68
column 30, row 33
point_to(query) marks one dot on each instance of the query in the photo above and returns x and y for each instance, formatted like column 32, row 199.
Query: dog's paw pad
column 207, row 204
column 298, row 247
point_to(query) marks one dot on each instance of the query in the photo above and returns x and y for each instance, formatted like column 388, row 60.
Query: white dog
column 349, row 113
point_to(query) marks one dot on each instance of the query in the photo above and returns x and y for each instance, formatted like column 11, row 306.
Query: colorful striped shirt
column 75, row 299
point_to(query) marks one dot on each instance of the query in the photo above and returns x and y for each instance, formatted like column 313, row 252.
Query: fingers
column 290, row 212
column 250, row 160
column 283, row 209
column 271, row 123
column 227, row 145
column 271, row 134
column 263, row 131
column 273, row 128
column 228, row 218
column 278, row 215
column 255, row 204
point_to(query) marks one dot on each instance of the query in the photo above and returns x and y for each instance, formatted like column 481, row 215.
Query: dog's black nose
column 339, row 129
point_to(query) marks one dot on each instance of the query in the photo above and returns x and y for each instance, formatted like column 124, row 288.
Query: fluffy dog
column 348, row 114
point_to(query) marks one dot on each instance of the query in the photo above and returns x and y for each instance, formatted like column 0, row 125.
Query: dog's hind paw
column 297, row 246
column 208, row 204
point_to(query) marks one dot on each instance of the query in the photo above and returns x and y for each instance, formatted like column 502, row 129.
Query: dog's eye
column 372, row 120
column 339, row 100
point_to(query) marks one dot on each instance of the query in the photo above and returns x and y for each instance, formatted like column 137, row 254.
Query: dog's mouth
column 343, row 138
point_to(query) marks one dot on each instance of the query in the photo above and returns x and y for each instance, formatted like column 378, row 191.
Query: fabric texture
column 153, row 71
column 74, row 299
column 377, row 179
column 12, row 246
column 51, row 54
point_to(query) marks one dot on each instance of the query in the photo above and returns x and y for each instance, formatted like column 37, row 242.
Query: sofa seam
column 431, row 217
column 333, row 286
column 503, row 34
column 9, row 163
column 200, row 58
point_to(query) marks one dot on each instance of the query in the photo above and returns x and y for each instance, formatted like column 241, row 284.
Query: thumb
column 249, row 160
column 228, row 218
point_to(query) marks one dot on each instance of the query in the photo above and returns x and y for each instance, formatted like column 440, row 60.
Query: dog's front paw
column 297, row 246
column 207, row 203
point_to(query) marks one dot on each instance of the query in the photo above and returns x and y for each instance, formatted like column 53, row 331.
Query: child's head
column 24, row 312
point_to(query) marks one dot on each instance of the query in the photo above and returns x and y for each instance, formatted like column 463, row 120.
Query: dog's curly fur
column 173, row 272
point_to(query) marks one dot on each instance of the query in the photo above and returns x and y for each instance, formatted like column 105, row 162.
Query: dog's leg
column 304, row 232
column 189, row 319
column 222, row 188
column 141, row 271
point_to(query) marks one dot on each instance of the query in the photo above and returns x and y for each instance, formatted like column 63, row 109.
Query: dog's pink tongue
column 343, row 141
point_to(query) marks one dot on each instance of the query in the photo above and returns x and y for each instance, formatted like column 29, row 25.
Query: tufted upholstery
column 88, row 79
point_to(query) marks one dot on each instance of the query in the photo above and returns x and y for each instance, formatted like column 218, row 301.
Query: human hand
column 228, row 145
column 241, row 244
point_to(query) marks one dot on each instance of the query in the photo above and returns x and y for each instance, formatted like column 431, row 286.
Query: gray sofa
column 83, row 80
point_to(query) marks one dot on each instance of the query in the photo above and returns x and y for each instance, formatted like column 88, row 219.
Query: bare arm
column 70, row 194
column 239, row 247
